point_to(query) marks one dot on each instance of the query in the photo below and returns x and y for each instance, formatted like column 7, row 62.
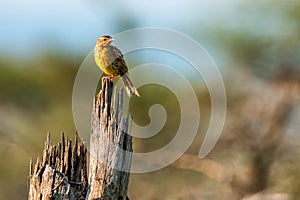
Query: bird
column 111, row 61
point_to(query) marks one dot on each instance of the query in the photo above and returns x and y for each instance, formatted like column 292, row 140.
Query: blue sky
column 33, row 25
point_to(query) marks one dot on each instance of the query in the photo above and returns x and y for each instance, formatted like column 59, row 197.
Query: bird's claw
column 111, row 78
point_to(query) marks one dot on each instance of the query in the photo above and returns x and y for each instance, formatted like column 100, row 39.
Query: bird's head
column 104, row 40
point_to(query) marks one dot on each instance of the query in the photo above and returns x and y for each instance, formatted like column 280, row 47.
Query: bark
column 61, row 172
column 110, row 147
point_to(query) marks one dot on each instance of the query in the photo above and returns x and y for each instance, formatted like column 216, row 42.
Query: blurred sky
column 30, row 26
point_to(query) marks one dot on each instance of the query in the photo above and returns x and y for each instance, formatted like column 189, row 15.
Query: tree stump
column 110, row 147
column 61, row 172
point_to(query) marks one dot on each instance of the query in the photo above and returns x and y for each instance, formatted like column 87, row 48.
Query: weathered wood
column 60, row 173
column 110, row 147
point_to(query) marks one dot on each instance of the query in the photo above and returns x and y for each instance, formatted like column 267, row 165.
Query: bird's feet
column 111, row 78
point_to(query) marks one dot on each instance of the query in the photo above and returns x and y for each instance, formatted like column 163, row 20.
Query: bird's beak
column 112, row 39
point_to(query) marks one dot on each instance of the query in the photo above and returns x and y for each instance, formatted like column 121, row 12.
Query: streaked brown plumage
column 110, row 60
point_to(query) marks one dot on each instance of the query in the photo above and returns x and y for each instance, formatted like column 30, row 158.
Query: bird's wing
column 119, row 61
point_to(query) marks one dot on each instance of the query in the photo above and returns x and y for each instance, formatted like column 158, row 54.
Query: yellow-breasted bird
column 110, row 60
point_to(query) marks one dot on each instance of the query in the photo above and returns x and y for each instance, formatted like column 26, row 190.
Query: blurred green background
column 255, row 44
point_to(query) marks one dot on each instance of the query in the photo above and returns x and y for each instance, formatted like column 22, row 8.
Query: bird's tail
column 130, row 89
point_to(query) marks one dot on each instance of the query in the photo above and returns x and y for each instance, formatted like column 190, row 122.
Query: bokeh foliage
column 263, row 42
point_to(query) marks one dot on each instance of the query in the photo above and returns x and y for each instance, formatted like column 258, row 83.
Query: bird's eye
column 104, row 39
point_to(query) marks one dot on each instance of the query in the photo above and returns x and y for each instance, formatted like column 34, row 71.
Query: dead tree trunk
column 110, row 147
column 61, row 172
